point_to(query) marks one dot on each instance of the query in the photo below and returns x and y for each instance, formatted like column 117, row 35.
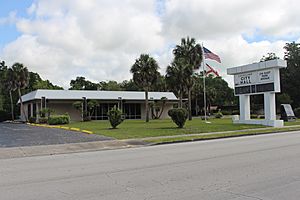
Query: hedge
column 59, row 119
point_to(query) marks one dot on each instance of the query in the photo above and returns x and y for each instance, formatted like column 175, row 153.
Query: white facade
column 61, row 101
column 258, row 78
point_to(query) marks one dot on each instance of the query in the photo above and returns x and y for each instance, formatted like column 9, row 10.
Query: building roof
column 97, row 95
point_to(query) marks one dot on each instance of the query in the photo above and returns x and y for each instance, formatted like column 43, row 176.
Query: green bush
column 43, row 120
column 179, row 116
column 4, row 116
column 297, row 112
column 46, row 112
column 219, row 115
column 59, row 119
column 32, row 119
column 115, row 117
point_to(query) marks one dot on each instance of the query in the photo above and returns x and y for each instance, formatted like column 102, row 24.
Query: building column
column 269, row 106
column 244, row 107
column 31, row 110
column 37, row 110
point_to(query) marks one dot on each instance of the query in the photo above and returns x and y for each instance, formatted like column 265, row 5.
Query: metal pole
column 204, row 90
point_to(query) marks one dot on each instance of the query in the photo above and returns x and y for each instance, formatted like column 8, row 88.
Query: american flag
column 210, row 55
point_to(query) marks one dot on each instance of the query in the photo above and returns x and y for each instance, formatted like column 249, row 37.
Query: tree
column 130, row 86
column 157, row 108
column 175, row 79
column 160, row 85
column 218, row 92
column 190, row 55
column 145, row 73
column 110, row 86
column 290, row 76
column 7, row 85
column 269, row 56
column 80, row 83
column 11, row 86
column 21, row 80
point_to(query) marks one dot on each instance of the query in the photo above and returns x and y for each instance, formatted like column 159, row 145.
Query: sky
column 100, row 39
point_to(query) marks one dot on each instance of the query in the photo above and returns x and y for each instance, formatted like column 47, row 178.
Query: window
column 101, row 110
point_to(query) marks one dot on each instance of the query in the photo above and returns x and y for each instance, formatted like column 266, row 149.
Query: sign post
column 258, row 78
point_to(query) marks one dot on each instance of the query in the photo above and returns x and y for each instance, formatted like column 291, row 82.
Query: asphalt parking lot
column 19, row 135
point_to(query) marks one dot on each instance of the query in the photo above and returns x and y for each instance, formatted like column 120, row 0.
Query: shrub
column 115, row 117
column 46, row 112
column 59, row 119
column 32, row 119
column 179, row 116
column 43, row 120
column 297, row 112
column 261, row 116
column 219, row 115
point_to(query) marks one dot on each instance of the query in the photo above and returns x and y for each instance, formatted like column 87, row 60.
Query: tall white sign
column 258, row 78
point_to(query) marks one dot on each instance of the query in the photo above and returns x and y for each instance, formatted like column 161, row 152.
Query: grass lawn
column 140, row 129
column 297, row 122
column 220, row 135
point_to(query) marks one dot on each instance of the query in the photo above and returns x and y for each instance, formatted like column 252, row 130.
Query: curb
column 61, row 127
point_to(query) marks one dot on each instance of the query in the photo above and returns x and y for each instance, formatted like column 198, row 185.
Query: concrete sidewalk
column 18, row 152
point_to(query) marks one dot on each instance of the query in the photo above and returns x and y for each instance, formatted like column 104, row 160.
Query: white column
column 244, row 107
column 37, row 110
column 270, row 106
column 31, row 110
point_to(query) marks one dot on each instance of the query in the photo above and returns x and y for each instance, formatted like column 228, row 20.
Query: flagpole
column 204, row 90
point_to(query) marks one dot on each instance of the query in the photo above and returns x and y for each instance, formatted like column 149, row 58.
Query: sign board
column 254, row 82
column 259, row 78
column 287, row 113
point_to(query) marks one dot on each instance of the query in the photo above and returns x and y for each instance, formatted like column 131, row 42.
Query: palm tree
column 21, row 79
column 145, row 74
column 189, row 82
column 175, row 78
column 11, row 86
column 191, row 57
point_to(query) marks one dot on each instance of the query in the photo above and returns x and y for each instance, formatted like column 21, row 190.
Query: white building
column 61, row 101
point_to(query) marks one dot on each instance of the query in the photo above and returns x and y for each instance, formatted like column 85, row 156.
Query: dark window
column 132, row 110
column 29, row 110
column 242, row 90
column 268, row 87
column 34, row 109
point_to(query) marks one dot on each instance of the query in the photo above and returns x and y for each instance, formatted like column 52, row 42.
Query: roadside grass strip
column 166, row 140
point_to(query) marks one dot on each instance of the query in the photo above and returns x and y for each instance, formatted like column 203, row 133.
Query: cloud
column 100, row 39
column 10, row 19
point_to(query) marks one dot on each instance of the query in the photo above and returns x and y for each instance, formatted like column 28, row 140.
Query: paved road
column 256, row 167
column 17, row 135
